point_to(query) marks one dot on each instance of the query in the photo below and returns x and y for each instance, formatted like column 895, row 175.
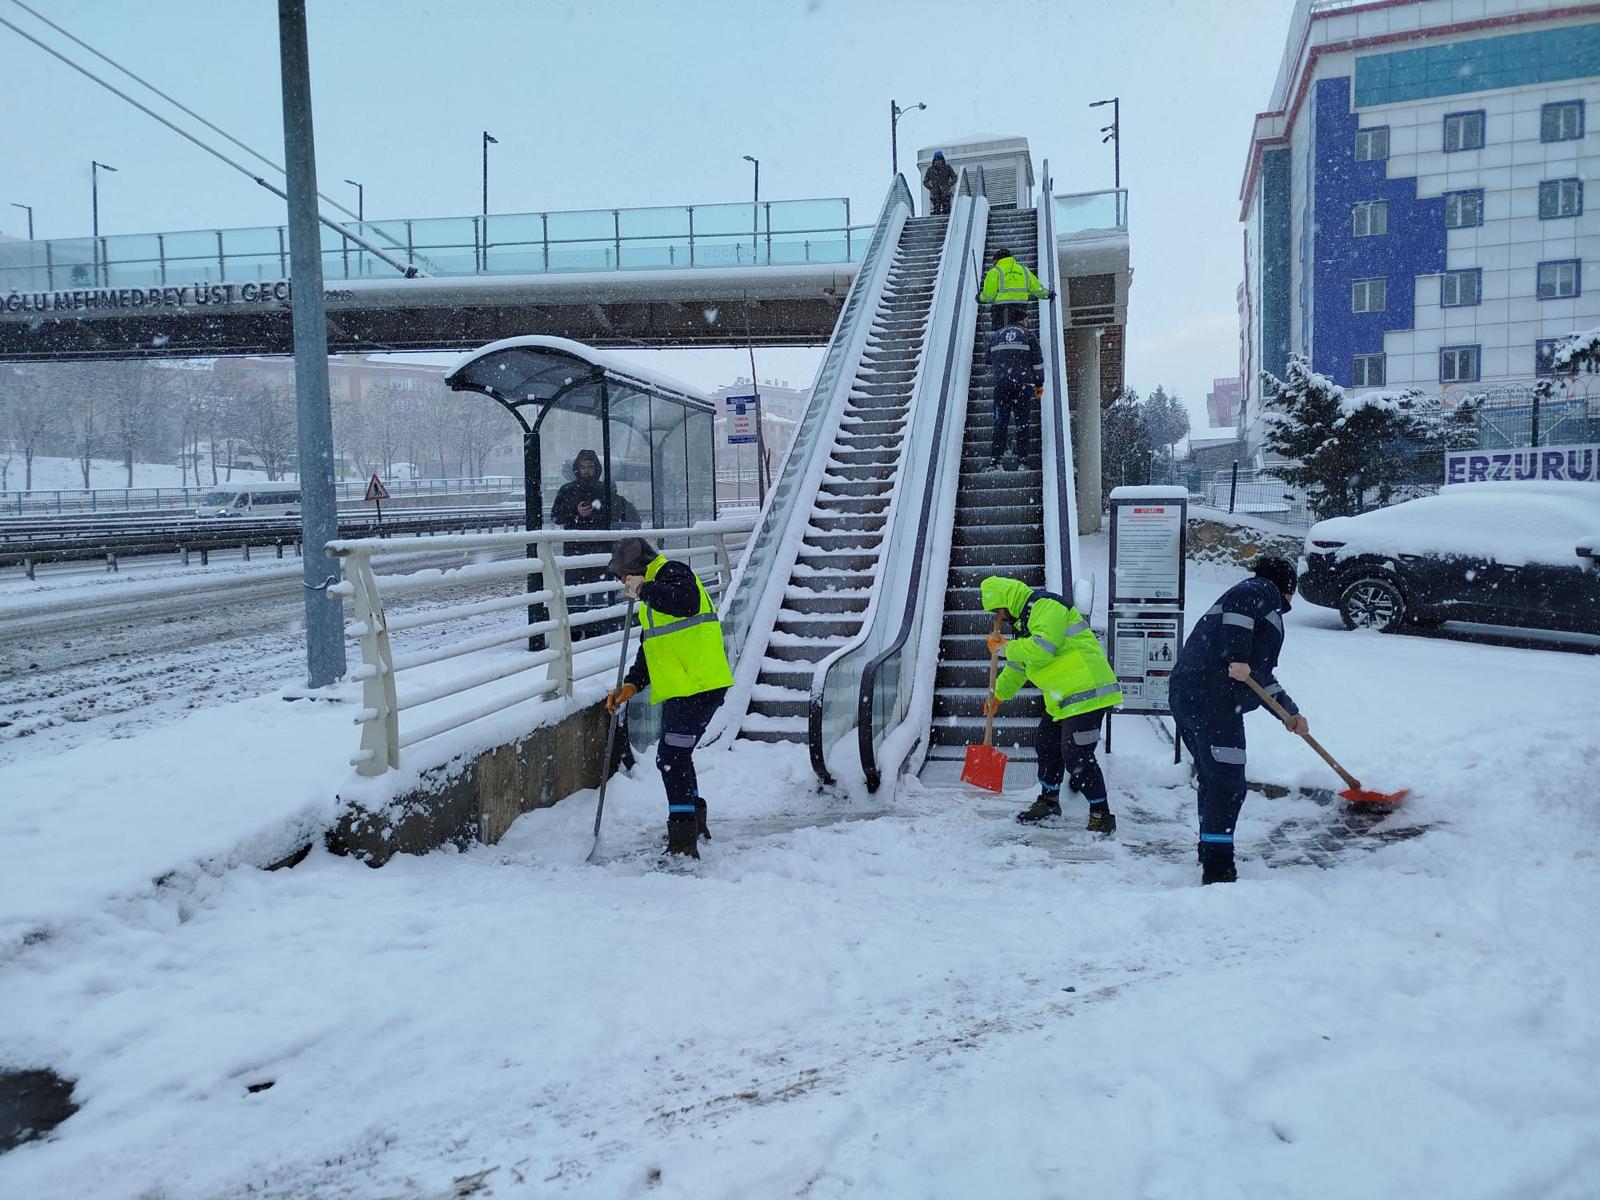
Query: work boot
column 1045, row 806
column 681, row 831
column 994, row 464
column 1102, row 820
column 700, row 818
column 1218, row 873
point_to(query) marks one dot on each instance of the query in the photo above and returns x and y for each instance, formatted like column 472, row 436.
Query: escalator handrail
column 914, row 597
column 789, row 491
column 1060, row 518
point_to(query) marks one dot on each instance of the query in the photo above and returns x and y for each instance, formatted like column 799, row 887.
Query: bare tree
column 480, row 429
column 133, row 394
column 267, row 421
column 31, row 419
column 85, row 424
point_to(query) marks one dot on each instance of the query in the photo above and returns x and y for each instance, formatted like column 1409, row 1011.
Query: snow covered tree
column 1342, row 451
column 1166, row 419
column 1577, row 352
column 1124, row 442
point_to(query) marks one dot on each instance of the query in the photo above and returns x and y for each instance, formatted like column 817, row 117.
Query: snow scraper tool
column 1353, row 792
column 611, row 735
column 985, row 766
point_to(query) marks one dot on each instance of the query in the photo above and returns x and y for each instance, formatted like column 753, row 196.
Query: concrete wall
column 477, row 798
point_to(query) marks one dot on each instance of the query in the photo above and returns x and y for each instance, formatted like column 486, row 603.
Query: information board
column 741, row 419
column 1147, row 551
column 1144, row 649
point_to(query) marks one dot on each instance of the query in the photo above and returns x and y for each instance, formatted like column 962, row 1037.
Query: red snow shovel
column 1354, row 792
column 985, row 766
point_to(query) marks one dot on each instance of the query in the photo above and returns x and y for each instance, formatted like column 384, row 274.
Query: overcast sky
column 617, row 103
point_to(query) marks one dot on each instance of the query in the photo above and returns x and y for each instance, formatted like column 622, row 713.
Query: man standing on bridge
column 940, row 180
column 682, row 661
column 1009, row 285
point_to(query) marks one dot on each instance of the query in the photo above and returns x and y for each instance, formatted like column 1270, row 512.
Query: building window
column 1543, row 350
column 1560, row 198
column 1370, row 218
column 1559, row 280
column 1463, row 131
column 1369, row 295
column 1368, row 370
column 1463, row 209
column 1561, row 122
column 1458, row 364
column 1458, row 289
column 1372, row 143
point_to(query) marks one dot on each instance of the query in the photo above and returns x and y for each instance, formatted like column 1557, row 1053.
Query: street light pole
column 95, row 168
column 1113, row 134
column 755, row 210
column 895, row 113
column 29, row 207
column 361, row 202
column 488, row 140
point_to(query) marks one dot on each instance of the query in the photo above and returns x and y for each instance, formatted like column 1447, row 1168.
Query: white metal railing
column 547, row 609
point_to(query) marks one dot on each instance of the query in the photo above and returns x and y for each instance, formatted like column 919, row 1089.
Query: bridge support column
column 1086, row 425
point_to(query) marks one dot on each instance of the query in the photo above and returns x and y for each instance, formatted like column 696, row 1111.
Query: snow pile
column 1513, row 524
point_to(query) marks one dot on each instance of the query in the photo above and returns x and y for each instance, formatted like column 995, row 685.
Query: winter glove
column 991, row 705
column 1038, row 392
column 631, row 585
column 620, row 697
column 1297, row 724
column 996, row 642
column 1239, row 671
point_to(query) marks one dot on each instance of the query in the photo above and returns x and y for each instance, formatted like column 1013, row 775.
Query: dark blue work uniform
column 1016, row 362
column 1246, row 626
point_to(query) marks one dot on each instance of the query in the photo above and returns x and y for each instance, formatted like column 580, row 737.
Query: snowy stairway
column 999, row 530
column 828, row 590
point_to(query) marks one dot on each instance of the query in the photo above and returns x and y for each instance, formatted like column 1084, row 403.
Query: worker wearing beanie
column 682, row 661
column 1240, row 636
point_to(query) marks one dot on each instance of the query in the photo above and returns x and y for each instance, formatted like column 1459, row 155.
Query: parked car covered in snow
column 1520, row 554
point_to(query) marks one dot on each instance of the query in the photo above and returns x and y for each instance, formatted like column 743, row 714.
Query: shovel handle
column 994, row 667
column 1278, row 711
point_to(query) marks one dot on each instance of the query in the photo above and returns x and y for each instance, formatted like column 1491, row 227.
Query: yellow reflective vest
column 1054, row 649
column 684, row 655
column 1009, row 282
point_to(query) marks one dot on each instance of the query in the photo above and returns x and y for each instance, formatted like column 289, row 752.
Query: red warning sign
column 375, row 489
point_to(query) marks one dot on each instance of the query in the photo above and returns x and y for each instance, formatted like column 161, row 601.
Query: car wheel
column 1373, row 602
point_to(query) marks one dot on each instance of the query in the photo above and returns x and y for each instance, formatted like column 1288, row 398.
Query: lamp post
column 483, row 241
column 895, row 113
column 361, row 202
column 1113, row 134
column 95, row 168
column 755, row 210
column 29, row 207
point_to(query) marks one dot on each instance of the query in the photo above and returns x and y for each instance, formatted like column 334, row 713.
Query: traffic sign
column 375, row 489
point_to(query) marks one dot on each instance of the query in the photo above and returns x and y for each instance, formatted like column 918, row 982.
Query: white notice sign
column 1143, row 651
column 1147, row 554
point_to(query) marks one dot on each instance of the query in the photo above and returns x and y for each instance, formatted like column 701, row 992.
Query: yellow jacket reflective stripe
column 684, row 655
column 1009, row 282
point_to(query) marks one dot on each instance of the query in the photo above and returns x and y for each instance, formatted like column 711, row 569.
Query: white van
column 252, row 500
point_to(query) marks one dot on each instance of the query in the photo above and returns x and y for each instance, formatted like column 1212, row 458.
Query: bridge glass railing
column 773, row 232
column 1091, row 212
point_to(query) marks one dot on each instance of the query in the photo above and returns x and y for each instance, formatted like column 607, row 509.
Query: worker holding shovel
column 683, row 663
column 1056, row 651
column 1237, row 641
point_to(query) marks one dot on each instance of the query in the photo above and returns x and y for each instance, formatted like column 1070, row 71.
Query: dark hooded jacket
column 564, row 511
column 939, row 178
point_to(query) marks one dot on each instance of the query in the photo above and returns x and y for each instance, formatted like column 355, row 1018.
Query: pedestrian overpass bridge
column 772, row 274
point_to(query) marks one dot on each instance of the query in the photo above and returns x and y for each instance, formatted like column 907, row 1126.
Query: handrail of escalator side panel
column 1064, row 544
column 869, row 674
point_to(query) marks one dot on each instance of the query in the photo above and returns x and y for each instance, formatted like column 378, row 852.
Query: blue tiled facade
column 1454, row 69
column 1414, row 244
column 1275, row 261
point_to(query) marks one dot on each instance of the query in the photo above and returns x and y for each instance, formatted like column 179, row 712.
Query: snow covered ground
column 65, row 474
column 854, row 997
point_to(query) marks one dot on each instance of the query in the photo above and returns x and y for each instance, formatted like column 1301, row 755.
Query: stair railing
column 873, row 680
column 756, row 593
column 1055, row 424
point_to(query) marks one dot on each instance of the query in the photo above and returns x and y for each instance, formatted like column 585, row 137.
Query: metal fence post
column 380, row 723
column 1233, row 486
column 561, row 637
column 616, row 234
column 691, row 235
column 544, row 226
column 724, row 563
